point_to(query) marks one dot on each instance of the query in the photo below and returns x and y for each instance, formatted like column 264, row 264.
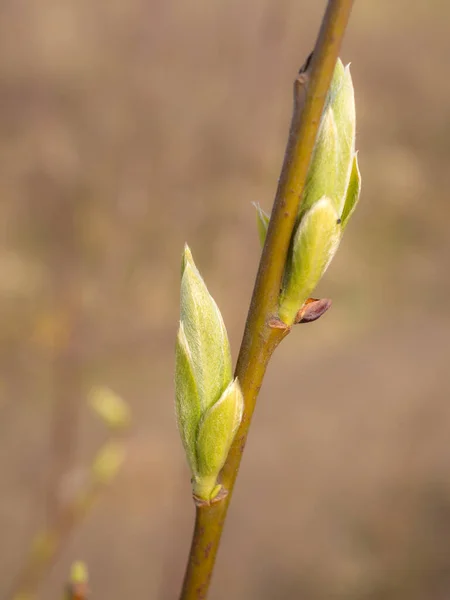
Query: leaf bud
column 203, row 382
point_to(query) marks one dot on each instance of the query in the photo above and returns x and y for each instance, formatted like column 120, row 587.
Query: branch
column 260, row 336
column 49, row 543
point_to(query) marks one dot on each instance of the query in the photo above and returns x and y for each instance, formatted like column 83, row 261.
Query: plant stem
column 67, row 363
column 48, row 544
column 260, row 336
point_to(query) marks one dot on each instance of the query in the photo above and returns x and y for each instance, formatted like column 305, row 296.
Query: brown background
column 130, row 127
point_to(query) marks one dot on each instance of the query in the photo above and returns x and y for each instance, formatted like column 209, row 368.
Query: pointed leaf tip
column 353, row 193
column 262, row 221
column 186, row 258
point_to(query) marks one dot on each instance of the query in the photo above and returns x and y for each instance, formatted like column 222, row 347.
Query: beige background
column 128, row 128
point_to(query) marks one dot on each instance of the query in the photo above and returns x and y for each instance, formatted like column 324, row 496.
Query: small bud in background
column 77, row 588
column 107, row 462
column 203, row 382
column 78, row 572
column 331, row 193
column 110, row 407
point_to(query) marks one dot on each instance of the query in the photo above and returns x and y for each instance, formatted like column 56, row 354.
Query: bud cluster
column 331, row 193
column 209, row 401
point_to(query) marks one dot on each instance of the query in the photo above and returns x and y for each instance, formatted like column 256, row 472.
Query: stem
column 48, row 545
column 66, row 359
column 260, row 336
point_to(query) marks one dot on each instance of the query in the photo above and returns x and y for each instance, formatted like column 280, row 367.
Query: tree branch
column 260, row 336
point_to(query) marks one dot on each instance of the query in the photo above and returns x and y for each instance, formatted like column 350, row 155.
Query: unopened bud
column 202, row 377
column 314, row 245
column 215, row 435
column 331, row 193
column 110, row 407
column 108, row 462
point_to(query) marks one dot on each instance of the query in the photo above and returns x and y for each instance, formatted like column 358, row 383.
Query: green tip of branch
column 77, row 588
column 79, row 572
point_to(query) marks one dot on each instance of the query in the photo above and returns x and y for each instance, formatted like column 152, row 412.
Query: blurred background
column 128, row 128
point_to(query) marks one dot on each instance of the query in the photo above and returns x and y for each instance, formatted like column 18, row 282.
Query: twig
column 50, row 542
column 261, row 337
column 64, row 259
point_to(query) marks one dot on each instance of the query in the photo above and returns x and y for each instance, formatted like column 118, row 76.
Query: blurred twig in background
column 67, row 360
column 48, row 543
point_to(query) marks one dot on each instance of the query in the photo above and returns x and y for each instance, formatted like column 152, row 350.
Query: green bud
column 215, row 435
column 108, row 462
column 110, row 407
column 78, row 572
column 205, row 335
column 77, row 588
column 322, row 174
column 332, row 159
column 353, row 191
column 314, row 244
column 202, row 375
column 331, row 193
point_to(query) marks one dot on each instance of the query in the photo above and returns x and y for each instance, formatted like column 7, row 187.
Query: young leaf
column 262, row 221
column 215, row 435
column 187, row 399
column 315, row 242
column 353, row 192
column 205, row 334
